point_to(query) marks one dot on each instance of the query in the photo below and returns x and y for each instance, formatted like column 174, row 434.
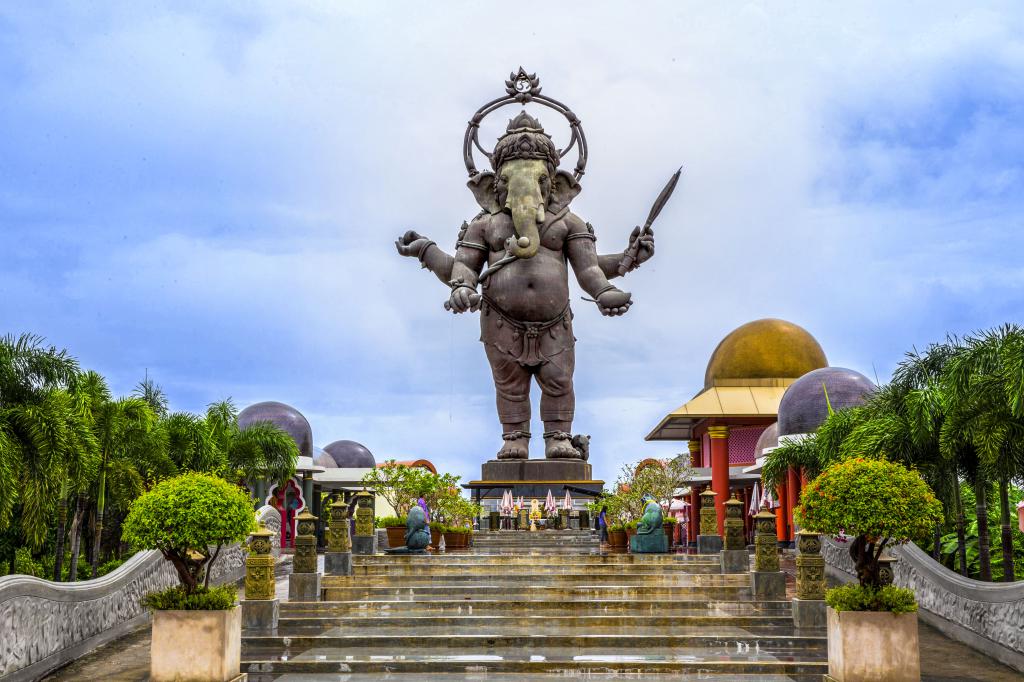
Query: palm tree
column 122, row 429
column 987, row 387
column 44, row 436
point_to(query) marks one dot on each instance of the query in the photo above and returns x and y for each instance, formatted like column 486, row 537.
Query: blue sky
column 211, row 192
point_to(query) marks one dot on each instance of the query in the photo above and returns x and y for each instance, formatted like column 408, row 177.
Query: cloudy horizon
column 211, row 194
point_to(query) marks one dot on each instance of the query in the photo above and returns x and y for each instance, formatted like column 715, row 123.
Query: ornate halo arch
column 523, row 88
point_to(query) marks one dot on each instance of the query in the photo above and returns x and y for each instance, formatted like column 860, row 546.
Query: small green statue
column 417, row 534
column 650, row 535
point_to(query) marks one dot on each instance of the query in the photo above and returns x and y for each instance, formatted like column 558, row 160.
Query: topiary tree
column 878, row 502
column 189, row 519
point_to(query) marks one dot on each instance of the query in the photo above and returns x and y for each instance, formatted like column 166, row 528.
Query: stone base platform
column 569, row 470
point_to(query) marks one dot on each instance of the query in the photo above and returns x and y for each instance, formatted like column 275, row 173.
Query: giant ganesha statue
column 527, row 237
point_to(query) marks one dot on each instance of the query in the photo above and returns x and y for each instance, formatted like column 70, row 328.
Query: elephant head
column 525, row 183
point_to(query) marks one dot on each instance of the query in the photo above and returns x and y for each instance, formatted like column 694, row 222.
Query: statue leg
column 558, row 404
column 512, row 390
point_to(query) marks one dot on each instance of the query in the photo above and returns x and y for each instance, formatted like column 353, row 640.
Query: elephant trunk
column 526, row 203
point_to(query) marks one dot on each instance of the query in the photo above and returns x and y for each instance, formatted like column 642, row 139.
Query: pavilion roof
column 722, row 402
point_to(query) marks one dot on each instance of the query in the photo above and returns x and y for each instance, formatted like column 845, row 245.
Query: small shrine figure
column 650, row 535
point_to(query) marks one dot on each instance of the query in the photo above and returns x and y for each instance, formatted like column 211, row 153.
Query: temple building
column 744, row 383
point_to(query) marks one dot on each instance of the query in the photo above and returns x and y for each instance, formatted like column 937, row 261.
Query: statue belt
column 530, row 331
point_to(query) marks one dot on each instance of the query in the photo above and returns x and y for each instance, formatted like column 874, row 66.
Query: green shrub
column 189, row 519
column 461, row 530
column 616, row 527
column 390, row 522
column 856, row 597
column 437, row 527
column 109, row 566
column 878, row 502
column 26, row 565
column 670, row 519
column 176, row 598
column 631, row 525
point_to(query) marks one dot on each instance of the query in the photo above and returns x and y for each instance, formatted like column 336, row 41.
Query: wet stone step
column 466, row 593
column 536, row 608
column 491, row 676
column 602, row 577
column 627, row 624
column 571, row 664
column 527, row 569
column 737, row 642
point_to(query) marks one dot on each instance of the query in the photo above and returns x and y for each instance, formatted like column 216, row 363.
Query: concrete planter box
column 864, row 646
column 196, row 645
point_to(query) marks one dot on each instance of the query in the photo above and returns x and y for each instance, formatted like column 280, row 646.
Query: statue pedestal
column 338, row 563
column 709, row 544
column 260, row 614
column 566, row 470
column 533, row 478
column 735, row 561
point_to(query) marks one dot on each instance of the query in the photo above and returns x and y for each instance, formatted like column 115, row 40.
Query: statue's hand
column 411, row 244
column 463, row 298
column 614, row 302
column 645, row 249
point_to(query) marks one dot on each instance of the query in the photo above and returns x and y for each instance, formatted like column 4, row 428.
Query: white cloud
column 214, row 194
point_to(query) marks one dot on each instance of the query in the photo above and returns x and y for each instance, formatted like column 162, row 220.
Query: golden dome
column 761, row 350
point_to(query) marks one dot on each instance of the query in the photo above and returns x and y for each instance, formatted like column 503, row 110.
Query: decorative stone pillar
column 767, row 581
column 524, row 519
column 304, row 584
column 692, row 517
column 885, row 568
column 719, row 472
column 709, row 541
column 792, row 499
column 338, row 559
column 734, row 556
column 809, row 605
column 260, row 607
column 494, row 521
column 365, row 539
column 563, row 519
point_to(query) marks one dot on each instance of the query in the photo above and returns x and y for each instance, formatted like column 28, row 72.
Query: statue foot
column 517, row 445
column 558, row 445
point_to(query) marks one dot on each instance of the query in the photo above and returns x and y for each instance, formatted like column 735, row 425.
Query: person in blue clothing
column 602, row 522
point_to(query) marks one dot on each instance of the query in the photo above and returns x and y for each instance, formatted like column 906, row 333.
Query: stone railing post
column 304, row 584
column 260, row 607
column 365, row 539
column 735, row 558
column 767, row 581
column 809, row 604
column 338, row 558
column 524, row 519
column 709, row 541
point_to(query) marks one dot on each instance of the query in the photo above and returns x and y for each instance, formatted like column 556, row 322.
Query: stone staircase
column 535, row 605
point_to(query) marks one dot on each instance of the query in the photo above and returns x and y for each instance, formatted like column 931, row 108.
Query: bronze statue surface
column 527, row 238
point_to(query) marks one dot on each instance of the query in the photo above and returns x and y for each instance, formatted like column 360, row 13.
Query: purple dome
column 284, row 417
column 769, row 438
column 322, row 459
column 804, row 406
column 348, row 454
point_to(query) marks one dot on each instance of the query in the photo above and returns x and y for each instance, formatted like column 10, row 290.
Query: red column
column 694, row 515
column 720, row 471
column 781, row 526
column 792, row 490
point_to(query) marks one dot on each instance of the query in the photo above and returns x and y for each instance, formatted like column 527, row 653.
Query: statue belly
column 531, row 290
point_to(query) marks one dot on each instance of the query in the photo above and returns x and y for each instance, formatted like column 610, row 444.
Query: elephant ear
column 564, row 189
column 482, row 187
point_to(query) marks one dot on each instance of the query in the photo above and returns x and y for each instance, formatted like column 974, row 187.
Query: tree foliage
column 880, row 502
column 189, row 518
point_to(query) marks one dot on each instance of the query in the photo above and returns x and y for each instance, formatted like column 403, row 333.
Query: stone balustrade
column 986, row 616
column 44, row 624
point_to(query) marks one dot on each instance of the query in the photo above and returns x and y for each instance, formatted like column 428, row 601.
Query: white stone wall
column 44, row 624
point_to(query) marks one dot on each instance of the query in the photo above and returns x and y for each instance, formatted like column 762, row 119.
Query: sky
column 210, row 193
